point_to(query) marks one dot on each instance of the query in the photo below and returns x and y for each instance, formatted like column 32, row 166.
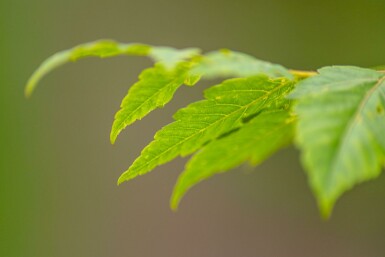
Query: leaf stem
column 306, row 74
column 303, row 73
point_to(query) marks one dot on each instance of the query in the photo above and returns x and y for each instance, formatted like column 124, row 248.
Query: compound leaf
column 226, row 106
column 341, row 115
column 168, row 56
column 341, row 129
column 255, row 142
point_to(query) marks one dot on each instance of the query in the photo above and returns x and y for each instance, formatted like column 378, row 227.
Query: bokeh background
column 58, row 193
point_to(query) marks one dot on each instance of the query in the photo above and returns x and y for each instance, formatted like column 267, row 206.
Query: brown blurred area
column 58, row 171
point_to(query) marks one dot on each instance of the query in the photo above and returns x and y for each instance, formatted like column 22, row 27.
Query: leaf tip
column 113, row 137
column 326, row 212
column 28, row 90
column 326, row 208
column 178, row 193
column 46, row 67
column 174, row 206
column 174, row 202
column 121, row 179
column 115, row 131
column 127, row 175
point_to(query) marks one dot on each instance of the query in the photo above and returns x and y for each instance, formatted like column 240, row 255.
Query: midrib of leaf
column 126, row 175
column 353, row 122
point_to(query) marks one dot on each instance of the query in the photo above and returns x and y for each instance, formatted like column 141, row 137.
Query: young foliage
column 337, row 121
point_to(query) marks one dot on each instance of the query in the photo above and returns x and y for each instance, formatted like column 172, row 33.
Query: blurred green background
column 58, row 193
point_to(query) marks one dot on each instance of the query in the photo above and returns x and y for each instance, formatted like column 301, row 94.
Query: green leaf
column 155, row 88
column 255, row 142
column 341, row 130
column 169, row 57
column 226, row 63
column 226, row 105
